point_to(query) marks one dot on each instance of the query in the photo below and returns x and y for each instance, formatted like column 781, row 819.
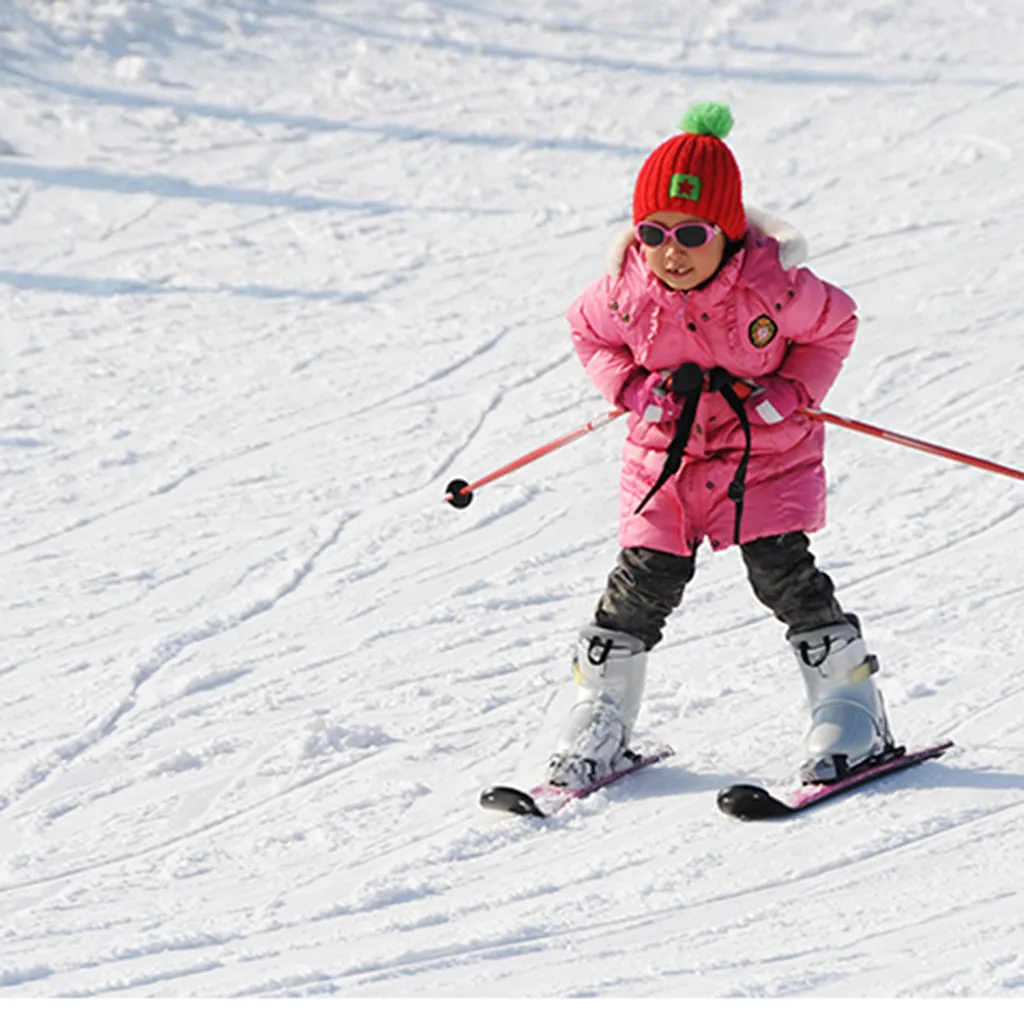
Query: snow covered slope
column 271, row 273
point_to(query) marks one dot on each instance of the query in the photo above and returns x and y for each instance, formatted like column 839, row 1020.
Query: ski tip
column 511, row 801
column 751, row 803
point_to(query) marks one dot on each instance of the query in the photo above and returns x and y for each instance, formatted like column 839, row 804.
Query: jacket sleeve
column 821, row 328
column 607, row 359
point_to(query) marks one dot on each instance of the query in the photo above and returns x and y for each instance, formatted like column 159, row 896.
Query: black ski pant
column 646, row 586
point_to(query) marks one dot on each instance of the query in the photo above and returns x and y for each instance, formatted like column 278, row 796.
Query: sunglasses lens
column 650, row 234
column 692, row 236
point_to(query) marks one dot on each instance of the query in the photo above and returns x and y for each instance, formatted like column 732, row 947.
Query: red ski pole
column 743, row 390
column 913, row 442
column 459, row 493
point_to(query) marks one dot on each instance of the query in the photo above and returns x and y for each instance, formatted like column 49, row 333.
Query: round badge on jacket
column 762, row 330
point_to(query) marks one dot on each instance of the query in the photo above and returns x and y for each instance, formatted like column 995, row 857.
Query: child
column 714, row 346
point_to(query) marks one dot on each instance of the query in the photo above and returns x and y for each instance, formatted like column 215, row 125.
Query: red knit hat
column 695, row 173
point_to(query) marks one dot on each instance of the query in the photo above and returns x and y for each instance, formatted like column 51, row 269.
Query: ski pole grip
column 719, row 379
column 686, row 380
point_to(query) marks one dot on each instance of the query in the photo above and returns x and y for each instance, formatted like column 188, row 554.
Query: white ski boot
column 609, row 668
column 848, row 722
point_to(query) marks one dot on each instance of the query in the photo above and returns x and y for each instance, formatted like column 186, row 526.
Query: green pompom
column 708, row 119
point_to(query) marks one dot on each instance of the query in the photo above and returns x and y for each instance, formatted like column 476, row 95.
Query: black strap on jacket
column 738, row 484
column 688, row 380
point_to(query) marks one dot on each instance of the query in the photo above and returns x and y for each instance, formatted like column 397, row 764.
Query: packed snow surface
column 271, row 274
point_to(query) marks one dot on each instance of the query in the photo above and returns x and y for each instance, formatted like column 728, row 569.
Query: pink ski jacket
column 753, row 319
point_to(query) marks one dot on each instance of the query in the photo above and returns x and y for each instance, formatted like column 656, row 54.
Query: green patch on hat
column 684, row 186
column 708, row 119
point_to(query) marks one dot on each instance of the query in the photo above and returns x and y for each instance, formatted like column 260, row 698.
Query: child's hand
column 772, row 400
column 646, row 395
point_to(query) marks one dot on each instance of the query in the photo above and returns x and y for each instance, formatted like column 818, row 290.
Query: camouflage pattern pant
column 646, row 586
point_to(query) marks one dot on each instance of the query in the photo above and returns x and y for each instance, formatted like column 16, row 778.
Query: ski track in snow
column 271, row 275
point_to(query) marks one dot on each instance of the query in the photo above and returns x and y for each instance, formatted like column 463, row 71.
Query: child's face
column 678, row 268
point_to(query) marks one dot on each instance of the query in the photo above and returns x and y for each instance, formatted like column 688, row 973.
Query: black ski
column 753, row 803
